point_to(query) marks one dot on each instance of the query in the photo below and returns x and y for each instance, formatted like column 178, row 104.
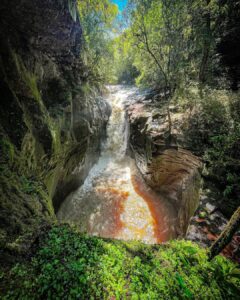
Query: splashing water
column 114, row 201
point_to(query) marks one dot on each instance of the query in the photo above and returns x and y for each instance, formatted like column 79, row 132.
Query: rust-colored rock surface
column 175, row 174
column 165, row 165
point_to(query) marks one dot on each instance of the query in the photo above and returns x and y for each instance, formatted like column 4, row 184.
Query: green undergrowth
column 212, row 131
column 70, row 265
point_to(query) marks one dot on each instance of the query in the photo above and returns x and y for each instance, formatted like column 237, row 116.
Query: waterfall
column 117, row 129
column 114, row 148
column 109, row 203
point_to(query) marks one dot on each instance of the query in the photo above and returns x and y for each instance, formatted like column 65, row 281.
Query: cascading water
column 114, row 201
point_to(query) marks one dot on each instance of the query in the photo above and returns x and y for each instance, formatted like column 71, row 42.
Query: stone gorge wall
column 51, row 122
column 162, row 159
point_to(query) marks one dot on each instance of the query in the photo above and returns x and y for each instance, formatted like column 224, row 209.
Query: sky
column 121, row 3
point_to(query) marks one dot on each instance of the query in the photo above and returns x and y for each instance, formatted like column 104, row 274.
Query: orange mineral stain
column 114, row 200
column 161, row 229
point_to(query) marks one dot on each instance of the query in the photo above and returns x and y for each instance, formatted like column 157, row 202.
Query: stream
column 114, row 201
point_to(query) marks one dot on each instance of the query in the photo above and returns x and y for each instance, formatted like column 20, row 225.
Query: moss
column 8, row 149
column 36, row 116
column 44, row 156
column 56, row 126
column 28, row 78
column 51, row 180
column 24, row 202
column 24, row 205
column 62, row 164
column 34, row 148
column 70, row 265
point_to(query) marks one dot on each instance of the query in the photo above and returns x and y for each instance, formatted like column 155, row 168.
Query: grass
column 70, row 265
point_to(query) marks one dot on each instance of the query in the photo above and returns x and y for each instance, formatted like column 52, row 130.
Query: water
column 114, row 201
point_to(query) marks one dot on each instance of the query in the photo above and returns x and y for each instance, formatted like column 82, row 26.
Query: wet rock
column 210, row 208
column 211, row 226
column 170, row 168
column 165, row 165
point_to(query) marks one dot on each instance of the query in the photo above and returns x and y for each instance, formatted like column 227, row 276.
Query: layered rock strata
column 162, row 160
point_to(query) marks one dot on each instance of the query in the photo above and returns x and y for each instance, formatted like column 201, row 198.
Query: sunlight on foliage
column 70, row 265
column 96, row 18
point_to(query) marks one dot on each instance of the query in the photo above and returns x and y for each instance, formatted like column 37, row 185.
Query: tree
column 207, row 38
column 97, row 19
column 124, row 70
column 226, row 236
column 160, row 32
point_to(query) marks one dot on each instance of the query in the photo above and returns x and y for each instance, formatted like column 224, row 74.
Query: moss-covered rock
column 24, row 204
column 69, row 265
column 51, row 122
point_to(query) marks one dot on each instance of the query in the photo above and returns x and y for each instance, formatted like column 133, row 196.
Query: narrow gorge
column 115, row 201
column 119, row 150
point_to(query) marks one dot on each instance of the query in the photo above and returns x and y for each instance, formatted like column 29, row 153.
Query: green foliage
column 222, row 155
column 7, row 150
column 123, row 68
column 29, row 186
column 161, row 41
column 213, row 132
column 174, row 42
column 209, row 116
column 96, row 18
column 224, row 166
column 69, row 265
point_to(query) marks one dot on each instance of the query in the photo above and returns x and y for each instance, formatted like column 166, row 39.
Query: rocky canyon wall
column 51, row 121
column 162, row 159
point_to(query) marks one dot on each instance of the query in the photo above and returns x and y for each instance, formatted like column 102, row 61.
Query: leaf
column 182, row 284
column 191, row 250
column 235, row 273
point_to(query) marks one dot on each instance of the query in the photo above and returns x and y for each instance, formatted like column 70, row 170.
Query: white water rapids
column 114, row 201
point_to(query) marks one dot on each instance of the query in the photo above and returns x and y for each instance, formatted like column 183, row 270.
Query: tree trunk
column 169, row 119
column 168, row 99
column 206, row 45
column 226, row 236
column 204, row 62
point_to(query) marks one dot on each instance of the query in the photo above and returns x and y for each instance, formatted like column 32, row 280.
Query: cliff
column 51, row 121
column 163, row 159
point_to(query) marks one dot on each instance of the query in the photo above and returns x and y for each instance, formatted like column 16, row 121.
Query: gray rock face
column 89, row 120
column 165, row 165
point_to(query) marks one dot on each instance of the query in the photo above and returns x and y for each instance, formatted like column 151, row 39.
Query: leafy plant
column 70, row 265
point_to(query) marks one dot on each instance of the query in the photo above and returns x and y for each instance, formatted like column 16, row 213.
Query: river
column 114, row 201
